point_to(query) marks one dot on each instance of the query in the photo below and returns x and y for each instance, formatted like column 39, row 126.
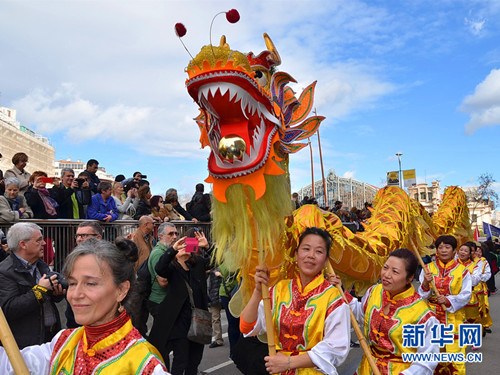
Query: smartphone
column 47, row 180
column 191, row 245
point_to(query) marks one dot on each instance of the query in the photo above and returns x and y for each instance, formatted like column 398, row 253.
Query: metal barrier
column 61, row 233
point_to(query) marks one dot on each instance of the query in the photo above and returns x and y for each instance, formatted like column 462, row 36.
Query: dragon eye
column 260, row 77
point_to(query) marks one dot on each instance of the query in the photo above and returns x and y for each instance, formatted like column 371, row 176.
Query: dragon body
column 252, row 121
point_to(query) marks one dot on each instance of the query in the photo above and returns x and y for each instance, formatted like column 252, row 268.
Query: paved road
column 216, row 361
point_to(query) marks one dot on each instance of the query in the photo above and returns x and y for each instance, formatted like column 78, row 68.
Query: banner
column 490, row 230
column 409, row 177
column 393, row 178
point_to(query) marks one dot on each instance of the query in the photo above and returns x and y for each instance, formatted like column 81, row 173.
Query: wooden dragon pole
column 355, row 326
column 11, row 348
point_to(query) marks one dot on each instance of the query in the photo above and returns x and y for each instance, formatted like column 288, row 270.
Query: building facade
column 15, row 138
column 428, row 196
column 79, row 166
column 350, row 192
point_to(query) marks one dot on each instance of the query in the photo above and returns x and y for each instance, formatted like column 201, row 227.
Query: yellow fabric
column 451, row 285
column 397, row 221
column 472, row 308
column 314, row 326
column 134, row 357
column 387, row 354
column 74, row 204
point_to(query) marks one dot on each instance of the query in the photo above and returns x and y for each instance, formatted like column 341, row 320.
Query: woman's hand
column 334, row 279
column 261, row 277
column 202, row 240
column 427, row 280
column 180, row 244
column 277, row 364
column 442, row 300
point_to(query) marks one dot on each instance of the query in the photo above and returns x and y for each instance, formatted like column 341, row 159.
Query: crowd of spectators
column 354, row 215
column 36, row 195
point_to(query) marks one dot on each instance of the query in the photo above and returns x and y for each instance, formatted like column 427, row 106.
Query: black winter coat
column 21, row 308
column 63, row 196
column 36, row 203
column 175, row 310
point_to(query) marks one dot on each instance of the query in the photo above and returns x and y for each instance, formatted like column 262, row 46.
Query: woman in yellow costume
column 454, row 284
column 100, row 278
column 385, row 309
column 482, row 289
column 311, row 321
column 466, row 254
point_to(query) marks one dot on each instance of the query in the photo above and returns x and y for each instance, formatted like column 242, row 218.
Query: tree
column 483, row 194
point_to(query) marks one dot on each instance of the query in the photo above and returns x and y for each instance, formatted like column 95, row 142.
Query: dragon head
column 249, row 117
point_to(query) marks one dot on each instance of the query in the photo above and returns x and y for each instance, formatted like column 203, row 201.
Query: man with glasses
column 167, row 236
column 88, row 229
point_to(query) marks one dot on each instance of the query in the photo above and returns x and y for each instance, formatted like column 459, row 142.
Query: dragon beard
column 243, row 225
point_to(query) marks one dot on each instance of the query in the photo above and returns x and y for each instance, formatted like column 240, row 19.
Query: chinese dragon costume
column 252, row 120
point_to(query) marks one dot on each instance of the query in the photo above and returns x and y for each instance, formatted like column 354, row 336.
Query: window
column 429, row 195
column 422, row 196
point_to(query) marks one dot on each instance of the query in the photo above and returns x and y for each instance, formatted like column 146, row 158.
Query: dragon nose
column 232, row 147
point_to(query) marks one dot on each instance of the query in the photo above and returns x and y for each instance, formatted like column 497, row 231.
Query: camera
column 4, row 240
column 80, row 181
column 59, row 277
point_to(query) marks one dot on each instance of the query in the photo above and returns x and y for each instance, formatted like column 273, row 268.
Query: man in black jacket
column 27, row 295
column 70, row 203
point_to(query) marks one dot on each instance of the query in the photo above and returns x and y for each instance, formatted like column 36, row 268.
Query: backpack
column 144, row 283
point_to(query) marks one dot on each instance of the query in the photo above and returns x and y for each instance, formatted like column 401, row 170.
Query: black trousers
column 187, row 356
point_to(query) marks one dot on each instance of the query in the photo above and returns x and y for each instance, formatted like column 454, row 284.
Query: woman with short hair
column 12, row 205
column 19, row 160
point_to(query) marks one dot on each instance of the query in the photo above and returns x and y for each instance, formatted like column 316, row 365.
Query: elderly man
column 143, row 238
column 167, row 235
column 27, row 295
column 103, row 206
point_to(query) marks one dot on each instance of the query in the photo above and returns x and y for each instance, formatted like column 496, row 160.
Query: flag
column 409, row 177
column 490, row 230
column 476, row 234
column 393, row 178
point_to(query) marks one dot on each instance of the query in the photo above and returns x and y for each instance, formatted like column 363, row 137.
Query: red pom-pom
column 232, row 15
column 180, row 29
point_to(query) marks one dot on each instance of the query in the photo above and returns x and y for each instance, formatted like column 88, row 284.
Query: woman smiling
column 307, row 338
column 101, row 279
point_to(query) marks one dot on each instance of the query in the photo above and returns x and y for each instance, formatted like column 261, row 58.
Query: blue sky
column 105, row 80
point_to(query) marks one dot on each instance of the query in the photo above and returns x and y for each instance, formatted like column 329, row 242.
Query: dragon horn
column 275, row 56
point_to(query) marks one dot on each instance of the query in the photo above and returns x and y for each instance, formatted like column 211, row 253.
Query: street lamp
column 399, row 154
